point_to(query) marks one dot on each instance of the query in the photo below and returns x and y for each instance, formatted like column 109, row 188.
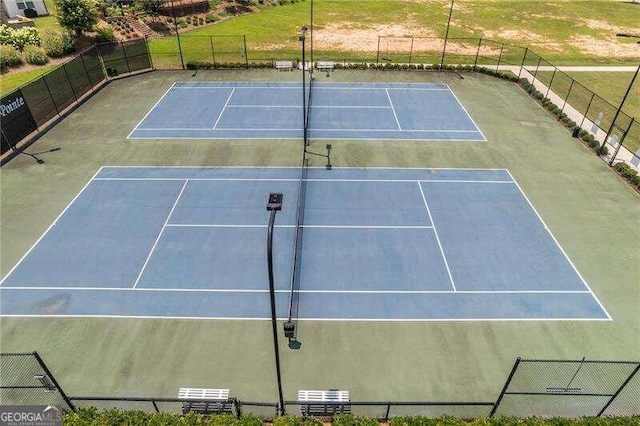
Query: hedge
column 91, row 416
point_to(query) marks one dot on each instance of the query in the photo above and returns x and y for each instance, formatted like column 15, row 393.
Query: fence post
column 533, row 82
column 500, row 56
column 53, row 101
column 86, row 71
column 146, row 43
column 584, row 116
column 411, row 51
column 246, row 56
column 551, row 82
column 64, row 68
column 378, row 53
column 153, row 401
column 238, row 406
column 475, row 62
column 615, row 153
column 620, row 388
column 386, row 415
column 53, row 380
column 126, row 60
column 567, row 97
column 505, row 387
column 524, row 58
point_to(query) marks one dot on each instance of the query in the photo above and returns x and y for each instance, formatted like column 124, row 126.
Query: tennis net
column 302, row 189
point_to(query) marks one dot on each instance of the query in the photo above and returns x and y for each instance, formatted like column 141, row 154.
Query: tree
column 77, row 15
column 153, row 7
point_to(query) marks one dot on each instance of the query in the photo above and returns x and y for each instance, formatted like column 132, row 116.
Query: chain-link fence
column 26, row 380
column 36, row 105
column 544, row 388
column 575, row 388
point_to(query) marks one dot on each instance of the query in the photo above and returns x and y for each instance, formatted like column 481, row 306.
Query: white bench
column 324, row 403
column 325, row 66
column 206, row 401
column 284, row 65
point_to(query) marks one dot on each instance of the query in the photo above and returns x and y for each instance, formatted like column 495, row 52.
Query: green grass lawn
column 563, row 32
column 50, row 21
column 8, row 82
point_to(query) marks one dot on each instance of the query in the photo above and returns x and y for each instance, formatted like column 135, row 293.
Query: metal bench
column 326, row 66
column 284, row 65
column 205, row 401
column 324, row 403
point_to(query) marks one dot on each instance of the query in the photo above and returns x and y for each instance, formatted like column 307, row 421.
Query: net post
column 615, row 395
column 505, row 387
column 54, row 381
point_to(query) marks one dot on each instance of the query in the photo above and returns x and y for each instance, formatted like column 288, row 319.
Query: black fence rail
column 35, row 106
column 543, row 388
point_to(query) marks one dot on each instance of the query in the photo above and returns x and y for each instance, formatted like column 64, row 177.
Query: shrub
column 105, row 35
column 25, row 36
column 350, row 420
column 5, row 34
column 603, row 150
column 77, row 15
column 210, row 18
column 56, row 43
column 182, row 24
column 9, row 56
column 35, row 55
column 296, row 421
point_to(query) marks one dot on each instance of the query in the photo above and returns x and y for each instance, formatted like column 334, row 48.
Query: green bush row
column 9, row 56
column 206, row 65
column 628, row 173
column 91, row 416
column 588, row 139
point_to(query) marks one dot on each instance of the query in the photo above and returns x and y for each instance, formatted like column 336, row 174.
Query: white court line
column 144, row 266
column 152, row 108
column 311, row 167
column 310, row 180
column 435, row 231
column 315, row 129
column 315, row 88
column 286, row 291
column 468, row 115
column 50, row 226
column 213, row 225
column 312, row 319
column 297, row 138
column 224, row 108
column 560, row 247
column 393, row 109
column 313, row 106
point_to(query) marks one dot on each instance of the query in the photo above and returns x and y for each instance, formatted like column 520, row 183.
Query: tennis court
column 214, row 110
column 379, row 244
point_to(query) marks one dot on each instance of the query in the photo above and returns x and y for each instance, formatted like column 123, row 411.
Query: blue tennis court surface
column 338, row 111
column 378, row 244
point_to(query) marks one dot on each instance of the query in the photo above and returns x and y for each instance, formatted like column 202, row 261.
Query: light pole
column 446, row 35
column 175, row 23
column 274, row 205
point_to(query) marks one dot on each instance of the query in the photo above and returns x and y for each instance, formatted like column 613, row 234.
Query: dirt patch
column 351, row 36
column 524, row 38
column 609, row 47
column 594, row 24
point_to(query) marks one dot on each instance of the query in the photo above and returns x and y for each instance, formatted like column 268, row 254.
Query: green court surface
column 593, row 214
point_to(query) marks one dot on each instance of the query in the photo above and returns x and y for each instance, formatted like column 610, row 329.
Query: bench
column 326, row 66
column 205, row 401
column 284, row 65
column 324, row 403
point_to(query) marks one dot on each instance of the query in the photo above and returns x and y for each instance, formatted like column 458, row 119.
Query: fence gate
column 577, row 388
column 26, row 380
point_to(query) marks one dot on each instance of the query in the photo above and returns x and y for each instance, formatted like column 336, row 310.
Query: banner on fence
column 17, row 120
